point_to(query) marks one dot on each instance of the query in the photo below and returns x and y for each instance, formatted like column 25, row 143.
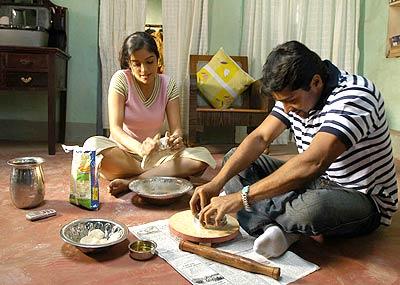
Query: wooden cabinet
column 393, row 37
column 38, row 69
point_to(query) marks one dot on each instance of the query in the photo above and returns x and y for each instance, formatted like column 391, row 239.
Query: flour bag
column 84, row 180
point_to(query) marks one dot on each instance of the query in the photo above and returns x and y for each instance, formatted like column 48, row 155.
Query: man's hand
column 202, row 196
column 214, row 212
column 210, row 207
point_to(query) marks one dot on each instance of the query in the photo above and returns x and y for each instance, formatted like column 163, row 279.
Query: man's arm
column 323, row 151
column 250, row 149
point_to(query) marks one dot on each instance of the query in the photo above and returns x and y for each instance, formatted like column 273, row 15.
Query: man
column 342, row 182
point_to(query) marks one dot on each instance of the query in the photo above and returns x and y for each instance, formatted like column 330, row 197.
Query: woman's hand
column 175, row 141
column 149, row 145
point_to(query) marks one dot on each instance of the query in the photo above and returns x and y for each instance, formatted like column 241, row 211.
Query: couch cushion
column 222, row 80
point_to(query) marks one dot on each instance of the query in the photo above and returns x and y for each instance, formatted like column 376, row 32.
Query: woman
column 138, row 100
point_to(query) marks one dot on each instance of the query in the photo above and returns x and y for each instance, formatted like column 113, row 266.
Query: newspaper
column 198, row 270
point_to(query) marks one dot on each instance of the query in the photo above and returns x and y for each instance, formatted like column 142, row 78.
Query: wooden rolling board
column 183, row 225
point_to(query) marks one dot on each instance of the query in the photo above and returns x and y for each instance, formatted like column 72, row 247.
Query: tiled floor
column 33, row 253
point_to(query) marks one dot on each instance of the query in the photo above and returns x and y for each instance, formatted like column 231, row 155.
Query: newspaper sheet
column 199, row 270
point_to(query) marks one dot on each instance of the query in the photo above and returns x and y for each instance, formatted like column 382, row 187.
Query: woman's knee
column 199, row 167
column 93, row 142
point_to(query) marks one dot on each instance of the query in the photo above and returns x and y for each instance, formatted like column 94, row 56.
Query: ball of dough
column 88, row 240
column 96, row 233
column 102, row 241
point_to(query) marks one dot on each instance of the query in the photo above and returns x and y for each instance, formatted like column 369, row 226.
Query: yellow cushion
column 222, row 80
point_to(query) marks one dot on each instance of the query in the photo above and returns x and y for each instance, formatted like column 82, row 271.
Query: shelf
column 395, row 4
column 393, row 52
column 393, row 31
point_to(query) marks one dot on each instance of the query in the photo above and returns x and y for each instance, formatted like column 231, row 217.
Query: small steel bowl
column 160, row 190
column 73, row 232
column 142, row 249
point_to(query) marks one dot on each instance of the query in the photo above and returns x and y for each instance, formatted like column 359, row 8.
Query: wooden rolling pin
column 230, row 259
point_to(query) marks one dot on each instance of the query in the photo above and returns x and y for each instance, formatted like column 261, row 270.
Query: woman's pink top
column 143, row 121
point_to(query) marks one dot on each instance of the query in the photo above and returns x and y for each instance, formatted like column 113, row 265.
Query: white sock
column 274, row 242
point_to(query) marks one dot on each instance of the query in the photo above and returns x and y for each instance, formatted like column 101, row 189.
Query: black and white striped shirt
column 354, row 112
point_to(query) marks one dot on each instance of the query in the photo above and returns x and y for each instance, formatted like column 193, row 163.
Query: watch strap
column 245, row 198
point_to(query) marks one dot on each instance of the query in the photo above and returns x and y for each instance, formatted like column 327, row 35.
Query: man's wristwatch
column 245, row 198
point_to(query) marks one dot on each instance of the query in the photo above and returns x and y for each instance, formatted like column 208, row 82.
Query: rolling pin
column 230, row 259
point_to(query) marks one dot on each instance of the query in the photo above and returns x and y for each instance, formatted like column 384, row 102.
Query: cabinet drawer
column 26, row 61
column 26, row 79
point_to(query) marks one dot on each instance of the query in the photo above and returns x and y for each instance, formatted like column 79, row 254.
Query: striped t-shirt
column 353, row 110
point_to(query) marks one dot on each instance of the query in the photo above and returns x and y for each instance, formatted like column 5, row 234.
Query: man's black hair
column 291, row 65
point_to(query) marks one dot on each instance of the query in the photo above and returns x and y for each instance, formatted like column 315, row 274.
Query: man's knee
column 311, row 213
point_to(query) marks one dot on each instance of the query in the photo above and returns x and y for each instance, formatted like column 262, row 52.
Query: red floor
column 33, row 253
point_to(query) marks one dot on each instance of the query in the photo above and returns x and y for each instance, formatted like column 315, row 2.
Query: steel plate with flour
column 160, row 190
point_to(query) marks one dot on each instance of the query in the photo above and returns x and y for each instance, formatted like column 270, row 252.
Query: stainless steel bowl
column 161, row 190
column 142, row 249
column 73, row 232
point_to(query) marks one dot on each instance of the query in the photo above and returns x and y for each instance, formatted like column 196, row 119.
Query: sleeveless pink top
column 140, row 121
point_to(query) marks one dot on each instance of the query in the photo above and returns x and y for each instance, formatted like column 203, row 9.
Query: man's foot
column 119, row 185
column 273, row 242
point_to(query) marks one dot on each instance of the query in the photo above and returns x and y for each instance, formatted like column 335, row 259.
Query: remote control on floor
column 40, row 214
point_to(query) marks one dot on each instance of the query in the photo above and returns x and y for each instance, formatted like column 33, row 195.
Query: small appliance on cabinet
column 33, row 23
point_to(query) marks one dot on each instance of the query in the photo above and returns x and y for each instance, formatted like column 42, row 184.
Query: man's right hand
column 202, row 196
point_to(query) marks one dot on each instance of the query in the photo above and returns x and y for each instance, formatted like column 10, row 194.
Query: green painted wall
column 83, row 65
column 225, row 22
column 154, row 12
column 385, row 72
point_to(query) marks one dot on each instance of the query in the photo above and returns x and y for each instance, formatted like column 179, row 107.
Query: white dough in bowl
column 96, row 233
column 88, row 240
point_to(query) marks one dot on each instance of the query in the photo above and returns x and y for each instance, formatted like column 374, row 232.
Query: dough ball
column 164, row 143
column 96, row 233
column 102, row 241
column 88, row 240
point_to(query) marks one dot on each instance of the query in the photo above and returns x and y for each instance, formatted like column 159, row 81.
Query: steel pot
column 27, row 187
